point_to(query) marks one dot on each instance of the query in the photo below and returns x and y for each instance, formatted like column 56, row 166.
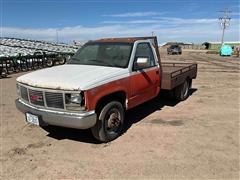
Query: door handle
column 157, row 72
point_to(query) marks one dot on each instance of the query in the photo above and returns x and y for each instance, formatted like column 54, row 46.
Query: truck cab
column 98, row 84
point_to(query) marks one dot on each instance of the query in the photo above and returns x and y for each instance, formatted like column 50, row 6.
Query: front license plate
column 32, row 119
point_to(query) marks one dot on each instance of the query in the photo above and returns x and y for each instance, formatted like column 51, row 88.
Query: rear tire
column 110, row 122
column 181, row 92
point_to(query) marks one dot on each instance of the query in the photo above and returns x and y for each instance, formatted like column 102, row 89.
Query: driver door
column 145, row 81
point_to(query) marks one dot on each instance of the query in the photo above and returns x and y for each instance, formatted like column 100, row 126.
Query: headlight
column 75, row 98
column 75, row 101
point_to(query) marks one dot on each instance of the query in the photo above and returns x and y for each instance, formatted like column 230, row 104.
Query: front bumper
column 60, row 118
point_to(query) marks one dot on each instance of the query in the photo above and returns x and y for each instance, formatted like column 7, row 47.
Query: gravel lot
column 197, row 138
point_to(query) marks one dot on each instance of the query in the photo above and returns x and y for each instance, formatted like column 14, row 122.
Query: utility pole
column 225, row 22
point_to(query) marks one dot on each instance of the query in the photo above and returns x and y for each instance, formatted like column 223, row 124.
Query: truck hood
column 72, row 77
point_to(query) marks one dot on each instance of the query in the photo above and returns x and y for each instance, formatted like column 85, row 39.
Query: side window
column 145, row 50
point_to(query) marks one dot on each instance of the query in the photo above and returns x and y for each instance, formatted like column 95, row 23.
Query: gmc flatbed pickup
column 99, row 83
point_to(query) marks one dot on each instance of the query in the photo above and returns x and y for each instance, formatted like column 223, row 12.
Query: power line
column 225, row 22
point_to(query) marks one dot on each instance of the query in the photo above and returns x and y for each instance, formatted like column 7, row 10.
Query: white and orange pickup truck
column 99, row 83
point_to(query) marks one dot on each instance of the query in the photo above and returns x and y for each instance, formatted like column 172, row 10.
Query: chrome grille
column 45, row 98
column 24, row 93
column 36, row 97
column 54, row 100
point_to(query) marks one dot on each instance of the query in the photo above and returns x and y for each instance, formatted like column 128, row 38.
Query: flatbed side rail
column 185, row 68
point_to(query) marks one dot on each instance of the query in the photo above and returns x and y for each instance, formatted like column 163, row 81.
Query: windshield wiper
column 74, row 60
column 96, row 60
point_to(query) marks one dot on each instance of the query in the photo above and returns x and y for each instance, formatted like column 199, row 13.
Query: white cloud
column 150, row 21
column 65, row 34
column 173, row 20
column 165, row 20
column 135, row 14
column 167, row 29
column 235, row 13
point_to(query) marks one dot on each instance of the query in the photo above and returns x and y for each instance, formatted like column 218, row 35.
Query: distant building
column 184, row 45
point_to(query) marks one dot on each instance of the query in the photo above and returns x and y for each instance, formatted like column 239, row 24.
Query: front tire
column 110, row 122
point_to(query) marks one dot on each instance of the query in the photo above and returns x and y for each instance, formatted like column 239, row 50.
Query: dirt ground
column 163, row 139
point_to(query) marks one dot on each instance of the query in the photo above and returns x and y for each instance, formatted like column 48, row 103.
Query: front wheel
column 181, row 92
column 110, row 122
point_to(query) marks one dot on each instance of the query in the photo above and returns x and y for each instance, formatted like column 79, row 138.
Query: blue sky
column 173, row 20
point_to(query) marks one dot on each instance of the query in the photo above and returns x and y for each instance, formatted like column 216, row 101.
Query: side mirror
column 141, row 63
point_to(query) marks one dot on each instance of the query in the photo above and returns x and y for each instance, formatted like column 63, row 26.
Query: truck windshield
column 103, row 54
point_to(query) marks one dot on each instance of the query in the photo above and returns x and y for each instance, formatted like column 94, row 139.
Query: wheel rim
column 113, row 121
column 185, row 89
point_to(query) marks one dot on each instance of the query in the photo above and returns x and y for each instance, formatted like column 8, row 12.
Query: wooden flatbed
column 174, row 74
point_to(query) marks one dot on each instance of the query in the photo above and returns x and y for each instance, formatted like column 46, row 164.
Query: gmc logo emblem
column 36, row 98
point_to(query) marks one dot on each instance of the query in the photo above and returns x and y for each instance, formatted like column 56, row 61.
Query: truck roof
column 122, row 40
